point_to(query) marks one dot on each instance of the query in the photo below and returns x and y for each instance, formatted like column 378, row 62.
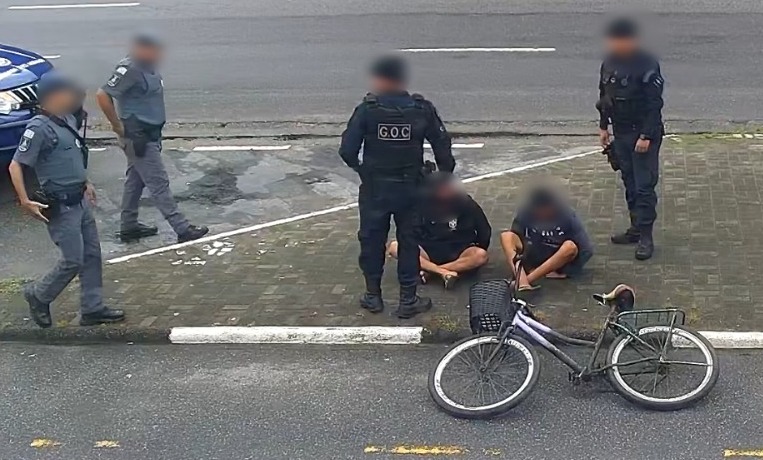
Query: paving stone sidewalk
column 708, row 261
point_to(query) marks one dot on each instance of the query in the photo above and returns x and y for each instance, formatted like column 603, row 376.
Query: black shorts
column 443, row 253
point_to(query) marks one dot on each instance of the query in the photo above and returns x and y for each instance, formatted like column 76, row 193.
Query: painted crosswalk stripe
column 477, row 50
column 71, row 6
column 239, row 148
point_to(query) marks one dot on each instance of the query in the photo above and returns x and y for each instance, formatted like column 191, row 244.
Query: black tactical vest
column 394, row 139
column 623, row 94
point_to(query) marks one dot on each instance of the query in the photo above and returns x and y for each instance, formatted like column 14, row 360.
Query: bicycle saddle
column 623, row 295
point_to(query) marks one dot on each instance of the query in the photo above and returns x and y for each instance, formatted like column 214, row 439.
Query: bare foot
column 556, row 276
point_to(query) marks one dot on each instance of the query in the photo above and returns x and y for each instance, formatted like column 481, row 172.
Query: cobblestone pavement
column 709, row 255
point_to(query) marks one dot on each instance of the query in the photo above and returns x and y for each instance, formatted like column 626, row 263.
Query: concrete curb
column 305, row 335
column 84, row 335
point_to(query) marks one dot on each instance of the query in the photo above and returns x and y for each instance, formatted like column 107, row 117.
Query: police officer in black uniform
column 630, row 99
column 391, row 126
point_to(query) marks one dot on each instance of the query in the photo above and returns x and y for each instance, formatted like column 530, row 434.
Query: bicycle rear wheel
column 466, row 383
column 668, row 369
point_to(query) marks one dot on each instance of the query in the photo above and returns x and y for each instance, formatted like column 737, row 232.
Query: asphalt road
column 302, row 402
column 302, row 60
column 230, row 190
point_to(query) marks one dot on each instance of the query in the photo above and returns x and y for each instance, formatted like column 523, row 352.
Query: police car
column 19, row 72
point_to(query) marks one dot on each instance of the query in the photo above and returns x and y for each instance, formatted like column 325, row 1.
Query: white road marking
column 98, row 149
column 323, row 212
column 239, row 148
column 52, row 56
column 239, row 231
column 477, row 50
column 476, row 145
column 394, row 335
column 731, row 339
column 70, row 6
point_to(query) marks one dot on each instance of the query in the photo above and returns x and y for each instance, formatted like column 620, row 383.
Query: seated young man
column 550, row 237
column 453, row 231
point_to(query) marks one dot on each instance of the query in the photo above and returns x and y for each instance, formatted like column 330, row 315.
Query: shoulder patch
column 26, row 139
column 121, row 70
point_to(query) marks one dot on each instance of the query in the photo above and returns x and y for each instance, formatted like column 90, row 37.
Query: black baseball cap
column 53, row 82
column 622, row 28
column 390, row 67
column 147, row 38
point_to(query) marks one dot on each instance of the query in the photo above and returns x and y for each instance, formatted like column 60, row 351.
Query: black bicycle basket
column 490, row 306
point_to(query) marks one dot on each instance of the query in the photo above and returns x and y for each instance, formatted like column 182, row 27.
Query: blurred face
column 146, row 53
column 63, row 101
column 621, row 46
column 384, row 85
column 544, row 212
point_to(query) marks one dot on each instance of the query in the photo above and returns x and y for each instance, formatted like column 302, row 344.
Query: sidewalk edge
column 304, row 335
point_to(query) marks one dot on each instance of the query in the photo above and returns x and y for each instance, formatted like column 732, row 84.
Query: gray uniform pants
column 73, row 230
column 148, row 171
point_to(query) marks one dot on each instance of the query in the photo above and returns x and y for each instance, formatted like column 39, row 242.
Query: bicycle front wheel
column 664, row 369
column 482, row 377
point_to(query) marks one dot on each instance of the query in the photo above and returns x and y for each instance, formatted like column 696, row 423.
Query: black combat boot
column 105, row 316
column 137, row 232
column 40, row 312
column 411, row 304
column 193, row 233
column 372, row 299
column 645, row 247
column 630, row 236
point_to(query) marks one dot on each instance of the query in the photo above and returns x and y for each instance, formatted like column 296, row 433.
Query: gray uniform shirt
column 139, row 92
column 54, row 153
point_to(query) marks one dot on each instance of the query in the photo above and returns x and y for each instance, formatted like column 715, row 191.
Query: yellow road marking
column 754, row 453
column 42, row 443
column 416, row 450
column 106, row 444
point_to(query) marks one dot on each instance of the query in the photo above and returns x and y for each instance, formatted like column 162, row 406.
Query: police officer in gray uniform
column 52, row 147
column 138, row 119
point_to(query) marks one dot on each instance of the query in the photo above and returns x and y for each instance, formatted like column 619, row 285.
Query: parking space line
column 476, row 145
column 323, row 212
column 239, row 148
column 71, row 6
column 751, row 453
column 477, row 50
column 416, row 450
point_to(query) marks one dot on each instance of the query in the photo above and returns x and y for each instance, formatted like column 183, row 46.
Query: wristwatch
column 644, row 137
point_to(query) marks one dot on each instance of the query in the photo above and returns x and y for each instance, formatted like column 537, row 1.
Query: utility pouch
column 52, row 209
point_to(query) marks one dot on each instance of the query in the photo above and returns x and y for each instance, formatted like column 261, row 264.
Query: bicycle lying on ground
column 486, row 375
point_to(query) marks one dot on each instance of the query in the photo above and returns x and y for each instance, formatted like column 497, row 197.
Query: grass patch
column 444, row 323
column 11, row 286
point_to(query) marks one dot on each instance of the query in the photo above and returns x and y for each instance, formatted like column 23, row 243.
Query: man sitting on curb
column 551, row 238
column 453, row 231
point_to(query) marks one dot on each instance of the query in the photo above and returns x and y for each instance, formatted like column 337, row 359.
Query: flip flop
column 528, row 288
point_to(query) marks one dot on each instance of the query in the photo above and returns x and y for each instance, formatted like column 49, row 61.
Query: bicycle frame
column 538, row 333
